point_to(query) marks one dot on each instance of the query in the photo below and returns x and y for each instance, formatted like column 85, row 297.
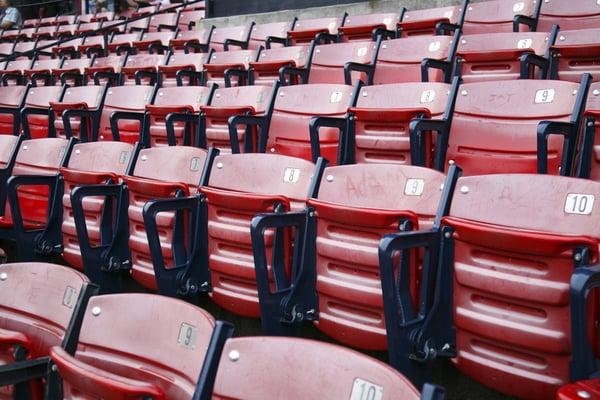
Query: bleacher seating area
column 421, row 183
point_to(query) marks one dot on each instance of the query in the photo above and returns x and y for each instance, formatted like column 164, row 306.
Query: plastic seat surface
column 423, row 22
column 329, row 60
column 496, row 15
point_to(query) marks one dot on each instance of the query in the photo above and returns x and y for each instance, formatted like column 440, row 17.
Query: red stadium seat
column 235, row 36
column 197, row 40
column 142, row 69
column 588, row 162
column 166, row 21
column 588, row 389
column 13, row 73
column 499, row 16
column 66, row 20
column 266, row 71
column 45, row 32
column 102, row 16
column 575, row 53
column 92, row 42
column 430, row 21
column 574, row 14
column 37, row 303
column 12, row 99
column 400, row 60
column 66, row 30
column 104, row 69
column 22, row 47
column 88, row 99
column 503, row 56
column 36, row 118
column 73, row 70
column 86, row 18
column 510, row 115
column 41, row 71
column 367, row 27
column 47, row 21
column 126, row 367
column 154, row 42
column 306, row 30
column 124, row 42
column 188, row 18
column 270, row 35
column 188, row 67
column 140, row 25
column 363, row 202
column 236, row 61
column 6, row 49
column 88, row 27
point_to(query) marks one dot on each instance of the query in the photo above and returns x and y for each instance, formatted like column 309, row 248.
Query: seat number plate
column 577, row 203
column 414, row 187
column 187, row 336
column 70, row 297
column 291, row 175
column 544, row 96
column 524, row 43
column 364, row 390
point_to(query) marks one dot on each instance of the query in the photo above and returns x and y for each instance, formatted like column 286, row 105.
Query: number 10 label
column 579, row 203
column 363, row 390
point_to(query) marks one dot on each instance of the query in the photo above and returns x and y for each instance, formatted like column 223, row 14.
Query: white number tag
column 70, row 297
column 434, row 46
column 524, row 43
column 544, row 96
column 291, row 175
column 427, row 96
column 195, row 164
column 518, row 7
column 331, row 26
column 579, row 203
column 387, row 21
column 187, row 336
column 362, row 51
column 448, row 14
column 364, row 390
column 123, row 157
column 335, row 97
column 414, row 187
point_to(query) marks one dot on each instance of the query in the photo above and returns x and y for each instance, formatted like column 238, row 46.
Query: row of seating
column 54, row 322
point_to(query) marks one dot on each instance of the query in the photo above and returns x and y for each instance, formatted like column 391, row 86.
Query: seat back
column 37, row 301
column 261, row 32
column 168, row 19
column 148, row 38
column 141, row 62
column 399, row 60
column 305, row 29
column 494, row 127
column 495, row 57
column 360, row 27
column 43, row 66
column 167, row 361
column 574, row 14
column 125, row 98
column 382, row 116
column 40, row 98
column 103, row 16
column 423, row 22
column 90, row 164
column 104, row 64
column 199, row 36
column 220, row 61
column 42, row 156
column 90, row 98
column 189, row 17
column 179, row 172
column 221, row 34
column 178, row 62
column 365, row 202
column 141, row 24
column 45, row 32
column 294, row 107
column 240, row 187
column 74, row 65
column 21, row 47
column 513, row 264
column 227, row 102
column 175, row 99
column 329, row 371
column 496, row 15
column 87, row 27
column 123, row 40
column 265, row 71
column 574, row 54
column 11, row 99
column 328, row 61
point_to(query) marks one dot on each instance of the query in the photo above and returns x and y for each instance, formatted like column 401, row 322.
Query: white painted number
column 434, row 46
column 414, row 187
column 524, row 43
column 335, row 97
column 544, row 96
column 518, row 7
column 187, row 336
column 362, row 51
column 364, row 390
column 448, row 14
column 291, row 175
column 427, row 96
column 70, row 297
column 579, row 203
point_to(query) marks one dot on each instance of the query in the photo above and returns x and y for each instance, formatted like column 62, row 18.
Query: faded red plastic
column 124, row 98
column 572, row 14
column 496, row 15
column 224, row 60
column 329, row 60
column 423, row 22
column 270, row 61
column 577, row 53
column 40, row 97
column 80, row 98
column 178, row 62
column 10, row 97
column 360, row 27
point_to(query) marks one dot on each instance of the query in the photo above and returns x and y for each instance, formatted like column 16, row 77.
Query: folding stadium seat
column 575, row 53
column 379, row 123
column 340, row 63
column 92, row 45
column 288, row 129
column 22, row 47
column 239, row 187
column 229, row 68
column 588, row 389
column 195, row 41
column 237, row 37
column 188, row 18
column 515, row 283
column 13, row 72
column 266, row 71
column 336, row 283
column 66, row 30
column 368, row 27
column 104, row 69
column 41, row 72
column 72, row 71
column 6, row 49
column 102, row 16
column 85, row 18
column 270, row 35
column 37, row 303
column 12, row 99
column 166, row 21
column 173, row 349
column 154, row 42
column 400, row 60
column 524, row 121
column 30, row 23
column 501, row 16
column 504, row 56
column 142, row 69
column 124, row 42
column 66, row 20
column 124, row 108
column 431, row 21
column 119, row 26
column 45, row 32
column 47, row 21
column 9, row 34
column 183, row 69
column 176, row 99
column 145, row 11
column 318, row 29
column 29, row 205
column 88, row 101
column 588, row 162
column 44, row 49
column 22, row 34
column 36, row 118
column 570, row 15
column 88, row 27
column 140, row 25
